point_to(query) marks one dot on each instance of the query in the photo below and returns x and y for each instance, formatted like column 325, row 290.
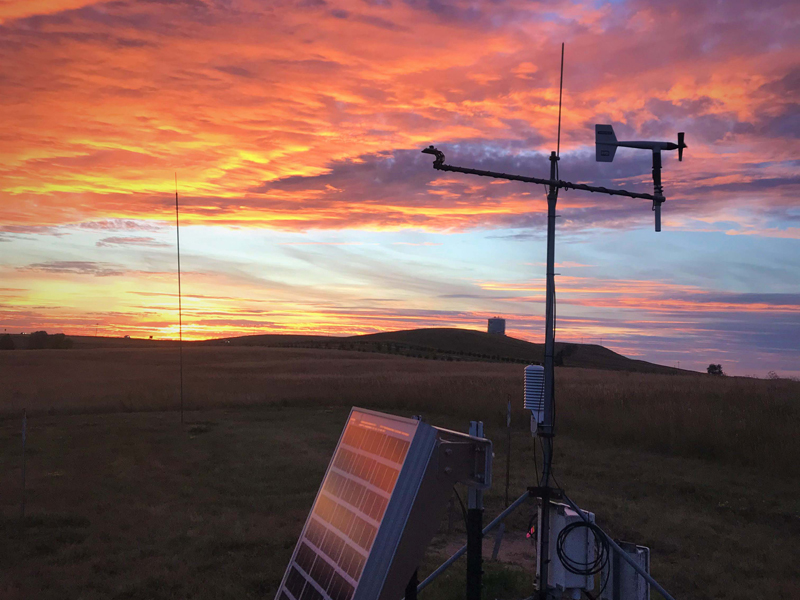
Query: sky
column 295, row 130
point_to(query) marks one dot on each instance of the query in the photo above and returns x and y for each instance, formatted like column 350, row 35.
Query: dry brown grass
column 737, row 420
column 134, row 506
column 129, row 504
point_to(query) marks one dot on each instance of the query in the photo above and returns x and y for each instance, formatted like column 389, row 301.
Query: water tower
column 497, row 326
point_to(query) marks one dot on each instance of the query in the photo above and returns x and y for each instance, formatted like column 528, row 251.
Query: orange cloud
column 232, row 98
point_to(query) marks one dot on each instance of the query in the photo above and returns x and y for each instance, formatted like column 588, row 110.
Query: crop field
column 123, row 501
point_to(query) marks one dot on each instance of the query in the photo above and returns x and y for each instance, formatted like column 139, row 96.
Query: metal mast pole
column 547, row 430
column 549, row 331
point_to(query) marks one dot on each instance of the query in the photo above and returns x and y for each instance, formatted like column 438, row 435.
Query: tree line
column 38, row 340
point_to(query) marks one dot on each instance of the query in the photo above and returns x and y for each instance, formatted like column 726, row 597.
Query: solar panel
column 385, row 474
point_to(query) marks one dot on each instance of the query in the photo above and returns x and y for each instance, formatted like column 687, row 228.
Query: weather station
column 571, row 549
column 389, row 479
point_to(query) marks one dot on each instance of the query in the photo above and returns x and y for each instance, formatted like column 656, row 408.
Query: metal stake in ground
column 24, row 435
column 508, row 448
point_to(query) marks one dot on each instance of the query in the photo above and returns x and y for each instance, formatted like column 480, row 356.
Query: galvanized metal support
column 489, row 528
column 498, row 540
column 411, row 588
column 24, row 437
column 508, row 448
column 564, row 185
column 474, row 553
column 474, row 531
column 546, row 428
column 475, row 495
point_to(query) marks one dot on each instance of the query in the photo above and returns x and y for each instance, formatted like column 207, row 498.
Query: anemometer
column 607, row 144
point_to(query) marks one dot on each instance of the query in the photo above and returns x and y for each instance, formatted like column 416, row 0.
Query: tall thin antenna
column 180, row 306
column 560, row 91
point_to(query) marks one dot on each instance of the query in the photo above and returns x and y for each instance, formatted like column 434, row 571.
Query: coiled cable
column 589, row 567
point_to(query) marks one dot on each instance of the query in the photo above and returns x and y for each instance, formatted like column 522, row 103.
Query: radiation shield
column 380, row 502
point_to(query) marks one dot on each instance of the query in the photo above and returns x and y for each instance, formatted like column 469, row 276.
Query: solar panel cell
column 311, row 593
column 324, row 508
column 295, row 582
column 339, row 589
column 322, row 572
column 315, row 532
column 305, row 557
column 351, row 562
column 333, row 545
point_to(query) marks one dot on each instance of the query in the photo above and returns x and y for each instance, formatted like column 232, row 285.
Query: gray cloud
column 120, row 225
column 77, row 267
column 132, row 241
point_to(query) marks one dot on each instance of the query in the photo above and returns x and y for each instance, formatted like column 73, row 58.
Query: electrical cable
column 555, row 321
column 463, row 506
column 541, row 445
column 553, row 475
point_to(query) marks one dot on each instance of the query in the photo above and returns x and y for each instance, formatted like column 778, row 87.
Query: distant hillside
column 270, row 339
column 458, row 344
column 91, row 342
column 435, row 344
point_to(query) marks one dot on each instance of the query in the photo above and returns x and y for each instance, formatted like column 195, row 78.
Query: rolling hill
column 458, row 344
column 436, row 344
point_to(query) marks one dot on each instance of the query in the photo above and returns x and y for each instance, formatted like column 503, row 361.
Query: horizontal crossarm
column 567, row 185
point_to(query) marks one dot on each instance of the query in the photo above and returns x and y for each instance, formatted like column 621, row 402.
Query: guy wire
column 180, row 305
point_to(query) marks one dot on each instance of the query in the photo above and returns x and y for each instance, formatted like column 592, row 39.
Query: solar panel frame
column 341, row 585
column 379, row 505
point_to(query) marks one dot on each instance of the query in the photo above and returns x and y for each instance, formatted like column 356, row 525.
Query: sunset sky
column 295, row 129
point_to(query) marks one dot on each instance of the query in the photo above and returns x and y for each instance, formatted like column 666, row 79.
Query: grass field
column 124, row 502
column 730, row 419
